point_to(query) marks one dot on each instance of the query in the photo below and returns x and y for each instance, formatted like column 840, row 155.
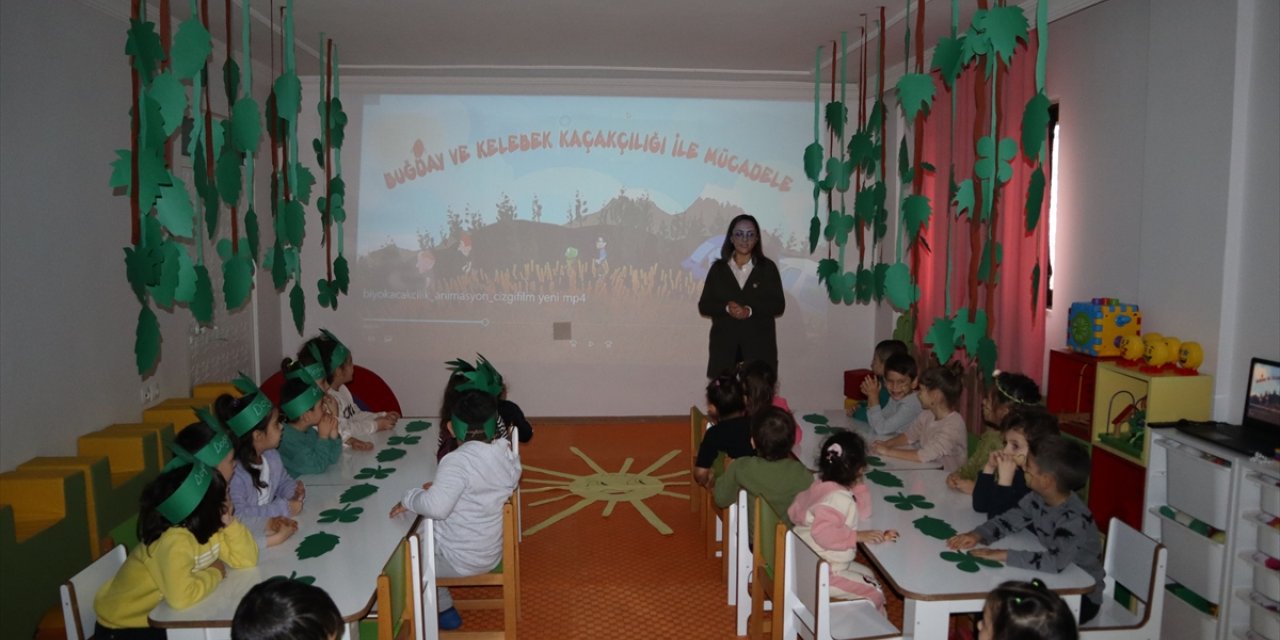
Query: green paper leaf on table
column 171, row 98
column 968, row 562
column 146, row 345
column 941, row 337
column 202, row 301
column 836, row 114
column 909, row 502
column 1035, row 125
column 288, row 94
column 143, row 45
column 246, row 125
column 898, row 288
column 142, row 269
column 358, row 492
column 1003, row 27
column 915, row 94
column 884, row 478
column 251, row 233
column 237, row 280
column 815, row 230
column 813, row 161
column 346, row 513
column 826, row 268
column 317, row 544
column 963, row 198
column 294, row 222
column 341, row 273
column 934, row 528
column 174, row 210
column 1035, row 198
column 815, row 418
column 375, row 473
column 874, row 461
column 231, row 79
column 191, row 47
column 916, row 212
column 838, row 227
column 390, row 455
column 417, row 425
column 298, row 307
column 403, row 440
column 947, row 60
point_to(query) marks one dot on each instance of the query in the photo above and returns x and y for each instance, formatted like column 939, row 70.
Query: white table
column 350, row 570
column 811, row 442
column 933, row 588
column 419, row 458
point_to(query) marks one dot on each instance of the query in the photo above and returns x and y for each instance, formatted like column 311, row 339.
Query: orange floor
column 586, row 575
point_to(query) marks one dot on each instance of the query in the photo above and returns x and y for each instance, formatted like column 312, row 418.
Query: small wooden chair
column 506, row 576
column 697, row 429
column 425, row 594
column 395, row 616
column 79, row 591
column 807, row 609
column 768, row 561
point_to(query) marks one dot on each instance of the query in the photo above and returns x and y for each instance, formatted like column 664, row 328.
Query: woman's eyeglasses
column 744, row 235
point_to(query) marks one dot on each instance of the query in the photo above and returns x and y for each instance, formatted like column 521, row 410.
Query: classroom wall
column 67, row 315
column 1155, row 123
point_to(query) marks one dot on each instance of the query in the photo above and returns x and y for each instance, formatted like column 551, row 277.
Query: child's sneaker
column 450, row 619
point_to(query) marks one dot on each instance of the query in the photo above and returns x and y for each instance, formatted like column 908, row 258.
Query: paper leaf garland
column 143, row 45
column 934, row 528
column 815, row 230
column 942, row 337
column 968, row 562
column 417, row 425
column 246, row 125
column 915, row 91
column 898, row 288
column 1003, row 27
column 341, row 274
column 288, row 93
column 1035, row 198
column 192, row 45
column 813, row 161
column 346, row 513
column 358, row 492
column 946, row 59
column 909, row 502
column 298, row 306
column 251, row 233
column 317, row 544
column 202, row 300
column 171, row 98
column 174, row 209
column 237, row 281
column 916, row 212
column 884, row 478
column 389, row 455
column 398, row 440
column 146, row 346
column 375, row 473
column 1035, row 125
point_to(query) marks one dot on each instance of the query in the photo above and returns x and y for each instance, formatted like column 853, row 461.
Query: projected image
column 600, row 214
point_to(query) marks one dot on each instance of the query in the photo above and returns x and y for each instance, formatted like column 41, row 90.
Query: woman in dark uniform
column 742, row 296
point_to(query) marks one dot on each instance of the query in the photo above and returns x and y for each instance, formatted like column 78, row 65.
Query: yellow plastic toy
column 1156, row 354
column 1173, row 346
column 1190, row 356
column 1131, row 348
column 1151, row 337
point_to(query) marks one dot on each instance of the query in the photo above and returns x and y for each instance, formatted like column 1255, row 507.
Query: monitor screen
column 1262, row 404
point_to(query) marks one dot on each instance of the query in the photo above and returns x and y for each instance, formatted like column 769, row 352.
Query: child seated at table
column 937, row 434
column 510, row 415
column 1056, row 468
column 730, row 430
column 773, row 473
column 1007, row 391
column 760, row 383
column 260, row 487
column 188, row 539
column 884, row 350
column 339, row 370
column 1002, row 482
column 280, row 608
column 1016, row 610
column 826, row 517
column 471, row 485
column 309, row 441
column 903, row 407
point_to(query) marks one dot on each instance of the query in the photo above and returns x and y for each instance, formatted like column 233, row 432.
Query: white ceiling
column 756, row 40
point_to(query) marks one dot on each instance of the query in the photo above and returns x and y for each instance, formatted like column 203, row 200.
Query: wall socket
column 150, row 392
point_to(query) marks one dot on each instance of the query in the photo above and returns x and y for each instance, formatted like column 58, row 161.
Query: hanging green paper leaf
column 336, row 209
column 185, row 289
column 813, row 161
column 915, row 94
column 141, row 268
column 121, row 170
column 1035, row 125
column 167, row 280
column 898, row 288
column 837, row 177
column 337, row 123
column 171, row 98
column 358, row 492
column 390, row 455
column 151, row 135
column 341, row 273
column 246, row 125
column 279, row 272
column 838, row 227
column 881, row 270
column 231, row 80
column 143, row 44
column 836, row 115
column 146, row 345
column 865, row 285
column 318, row 147
column 417, row 425
column 298, row 307
column 251, row 232
column 862, row 151
column 946, row 59
column 288, row 95
column 905, row 173
column 963, row 198
column 317, row 544
column 989, row 163
column 302, row 189
column 1003, row 27
column 202, row 301
column 1035, row 198
column 916, row 212
column 941, row 337
column 987, row 354
column 841, row 288
column 990, row 261
column 191, row 47
column 1035, row 288
column 237, row 280
column 230, row 162
column 294, row 222
column 174, row 210
column 327, row 294
column 970, row 333
column 826, row 268
column 815, row 230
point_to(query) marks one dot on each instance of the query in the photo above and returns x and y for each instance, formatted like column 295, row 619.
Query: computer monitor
column 1262, row 400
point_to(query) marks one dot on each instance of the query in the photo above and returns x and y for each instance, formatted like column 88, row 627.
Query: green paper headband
column 187, row 496
column 312, row 373
column 253, row 414
column 210, row 455
column 294, row 408
column 340, row 352
column 480, row 377
column 490, row 427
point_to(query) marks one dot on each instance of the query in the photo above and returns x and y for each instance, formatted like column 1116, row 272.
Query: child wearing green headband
column 1007, row 391
column 339, row 370
column 189, row 536
column 466, row 497
column 260, row 486
column 310, row 442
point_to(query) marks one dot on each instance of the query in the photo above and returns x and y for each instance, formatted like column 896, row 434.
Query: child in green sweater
column 773, row 473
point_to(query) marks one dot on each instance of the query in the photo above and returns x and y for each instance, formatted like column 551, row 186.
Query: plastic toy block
column 131, row 454
column 108, row 506
column 1096, row 327
column 178, row 412
column 211, row 390
column 163, row 430
column 43, row 526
